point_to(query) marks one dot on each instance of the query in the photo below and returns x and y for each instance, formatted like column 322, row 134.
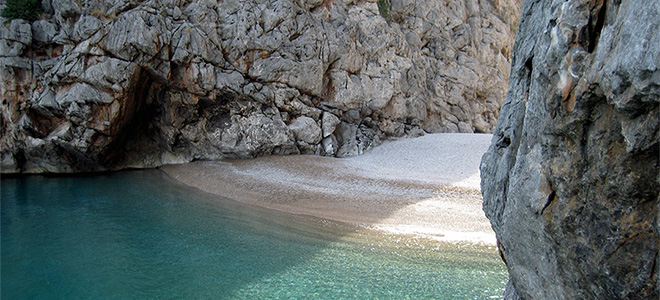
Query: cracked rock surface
column 103, row 85
column 571, row 182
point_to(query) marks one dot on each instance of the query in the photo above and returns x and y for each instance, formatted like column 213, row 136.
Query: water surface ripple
column 140, row 235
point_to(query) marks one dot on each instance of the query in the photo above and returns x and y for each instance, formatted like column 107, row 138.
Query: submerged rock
column 571, row 182
column 145, row 83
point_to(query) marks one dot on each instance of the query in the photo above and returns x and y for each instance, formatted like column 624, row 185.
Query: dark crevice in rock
column 551, row 198
column 527, row 77
column 500, row 250
column 137, row 115
column 529, row 65
column 621, row 245
column 19, row 157
column 596, row 26
column 504, row 142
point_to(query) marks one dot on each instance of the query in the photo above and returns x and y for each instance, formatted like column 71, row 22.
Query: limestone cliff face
column 571, row 181
column 103, row 85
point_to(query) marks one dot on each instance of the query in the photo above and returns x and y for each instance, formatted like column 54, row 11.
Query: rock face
column 102, row 85
column 571, row 180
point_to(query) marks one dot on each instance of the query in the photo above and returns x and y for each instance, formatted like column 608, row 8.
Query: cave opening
column 138, row 111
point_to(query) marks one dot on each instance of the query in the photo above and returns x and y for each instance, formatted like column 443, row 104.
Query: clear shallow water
column 140, row 235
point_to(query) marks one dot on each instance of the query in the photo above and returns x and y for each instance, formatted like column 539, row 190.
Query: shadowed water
column 140, row 235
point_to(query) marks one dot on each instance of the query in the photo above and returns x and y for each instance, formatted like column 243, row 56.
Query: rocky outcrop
column 102, row 85
column 571, row 182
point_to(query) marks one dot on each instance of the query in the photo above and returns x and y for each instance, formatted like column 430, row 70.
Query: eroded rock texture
column 571, row 181
column 110, row 84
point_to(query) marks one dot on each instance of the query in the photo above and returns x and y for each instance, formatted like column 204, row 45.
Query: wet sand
column 427, row 186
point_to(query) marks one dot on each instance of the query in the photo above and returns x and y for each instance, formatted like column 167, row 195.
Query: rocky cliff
column 101, row 85
column 571, row 181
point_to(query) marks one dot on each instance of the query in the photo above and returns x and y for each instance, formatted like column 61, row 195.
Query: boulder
column 306, row 130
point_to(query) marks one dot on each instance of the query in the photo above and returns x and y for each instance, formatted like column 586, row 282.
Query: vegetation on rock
column 384, row 9
column 29, row 10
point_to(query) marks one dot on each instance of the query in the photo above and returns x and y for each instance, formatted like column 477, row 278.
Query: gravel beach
column 426, row 186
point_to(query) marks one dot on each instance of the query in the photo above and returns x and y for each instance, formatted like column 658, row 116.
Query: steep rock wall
column 102, row 85
column 571, row 181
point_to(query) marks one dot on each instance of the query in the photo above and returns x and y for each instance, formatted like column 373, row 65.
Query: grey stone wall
column 571, row 182
column 101, row 85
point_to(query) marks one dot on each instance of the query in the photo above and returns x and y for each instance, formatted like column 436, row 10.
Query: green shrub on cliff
column 22, row 9
column 384, row 9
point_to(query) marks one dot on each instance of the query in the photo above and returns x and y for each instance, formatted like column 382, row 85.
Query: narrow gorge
column 570, row 182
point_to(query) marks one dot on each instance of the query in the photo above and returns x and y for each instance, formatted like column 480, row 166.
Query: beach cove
column 142, row 235
column 426, row 186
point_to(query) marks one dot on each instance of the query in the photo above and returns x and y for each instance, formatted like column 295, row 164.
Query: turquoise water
column 140, row 235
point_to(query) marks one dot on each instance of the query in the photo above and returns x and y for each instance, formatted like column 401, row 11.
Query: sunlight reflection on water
column 139, row 235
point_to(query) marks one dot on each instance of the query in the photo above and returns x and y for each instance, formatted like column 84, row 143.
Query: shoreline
column 426, row 187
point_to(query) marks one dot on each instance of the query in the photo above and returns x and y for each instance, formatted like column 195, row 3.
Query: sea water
column 141, row 235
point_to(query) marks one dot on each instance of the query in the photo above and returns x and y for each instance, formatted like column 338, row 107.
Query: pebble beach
column 426, row 186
